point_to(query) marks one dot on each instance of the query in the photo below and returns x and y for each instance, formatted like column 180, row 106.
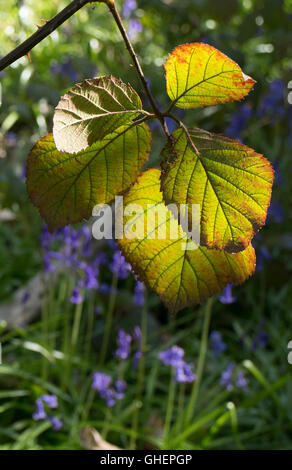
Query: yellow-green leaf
column 231, row 182
column 91, row 110
column 199, row 75
column 66, row 187
column 172, row 266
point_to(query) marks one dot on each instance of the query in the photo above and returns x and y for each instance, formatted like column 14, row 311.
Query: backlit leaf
column 91, row 110
column 199, row 75
column 65, row 187
column 230, row 181
column 181, row 277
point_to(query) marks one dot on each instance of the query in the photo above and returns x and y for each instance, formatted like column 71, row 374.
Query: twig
column 118, row 20
column 186, row 131
column 42, row 32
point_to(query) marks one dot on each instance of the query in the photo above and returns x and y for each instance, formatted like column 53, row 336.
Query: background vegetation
column 59, row 351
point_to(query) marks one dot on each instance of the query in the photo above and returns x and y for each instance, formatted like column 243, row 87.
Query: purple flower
column 136, row 359
column 56, row 423
column 109, row 396
column 135, row 27
column 105, row 288
column 50, row 400
column 217, row 345
column 276, row 212
column 101, row 381
column 121, row 387
column 124, row 343
column 40, row 410
column 263, row 255
column 137, row 335
column 90, row 280
column 238, row 121
column 25, row 297
column 226, row 377
column 184, row 374
column 128, row 7
column 119, row 266
column 241, row 381
column 272, row 104
column 172, row 357
column 260, row 341
column 226, row 297
column 139, row 293
column 76, row 297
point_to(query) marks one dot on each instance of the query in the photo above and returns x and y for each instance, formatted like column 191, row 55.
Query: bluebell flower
column 101, row 381
column 124, row 344
column 137, row 335
column 25, row 297
column 138, row 298
column 135, row 27
column 184, row 373
column 119, row 266
column 50, row 400
column 276, row 212
column 76, row 297
column 121, row 388
column 217, row 345
column 238, row 121
column 128, row 7
column 172, row 356
column 263, row 255
column 241, row 381
column 260, row 341
column 226, row 377
column 272, row 104
column 39, row 413
column 136, row 358
column 226, row 297
column 104, row 288
column 56, row 423
column 90, row 280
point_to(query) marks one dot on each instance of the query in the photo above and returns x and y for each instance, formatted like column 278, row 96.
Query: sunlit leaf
column 231, row 182
column 65, row 187
column 199, row 75
column 91, row 110
column 180, row 275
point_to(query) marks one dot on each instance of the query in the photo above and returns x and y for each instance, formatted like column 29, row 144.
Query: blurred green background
column 257, row 35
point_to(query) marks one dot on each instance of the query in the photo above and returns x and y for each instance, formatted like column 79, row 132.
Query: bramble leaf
column 172, row 266
column 66, row 187
column 91, row 110
column 199, row 75
column 231, row 182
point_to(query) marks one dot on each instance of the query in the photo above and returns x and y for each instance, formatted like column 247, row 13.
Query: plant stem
column 141, row 373
column 112, row 7
column 180, row 408
column 201, row 362
column 169, row 409
column 109, row 319
column 42, row 32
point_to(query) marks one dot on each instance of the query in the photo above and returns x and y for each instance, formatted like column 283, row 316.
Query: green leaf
column 66, row 187
column 231, row 182
column 91, row 110
column 181, row 273
column 199, row 75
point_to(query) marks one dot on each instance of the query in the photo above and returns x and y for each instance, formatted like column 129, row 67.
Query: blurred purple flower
column 241, row 381
column 276, row 212
column 128, row 7
column 172, row 357
column 119, row 266
column 226, row 297
column 124, row 344
column 217, row 345
column 40, row 411
column 238, row 121
column 56, row 423
column 272, row 104
column 101, row 381
column 138, row 298
column 226, row 377
column 76, row 297
column 50, row 400
column 184, row 374
column 121, row 387
column 260, row 341
column 135, row 27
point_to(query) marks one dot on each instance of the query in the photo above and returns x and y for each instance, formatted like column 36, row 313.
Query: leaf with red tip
column 199, row 75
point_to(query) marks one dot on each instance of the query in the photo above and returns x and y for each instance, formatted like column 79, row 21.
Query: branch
column 50, row 26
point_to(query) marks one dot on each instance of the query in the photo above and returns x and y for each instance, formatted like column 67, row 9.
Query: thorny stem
column 42, row 32
column 112, row 7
